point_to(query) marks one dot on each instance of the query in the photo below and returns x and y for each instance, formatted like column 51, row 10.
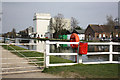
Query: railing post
column 47, row 54
column 80, row 58
column 110, row 55
column 77, row 58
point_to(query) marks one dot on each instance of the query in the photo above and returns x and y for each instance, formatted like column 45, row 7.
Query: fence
column 110, row 53
column 33, row 61
column 48, row 54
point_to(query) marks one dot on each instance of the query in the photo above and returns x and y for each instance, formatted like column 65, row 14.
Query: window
column 103, row 35
column 116, row 35
column 41, row 35
column 116, row 27
column 106, row 37
column 99, row 35
column 110, row 36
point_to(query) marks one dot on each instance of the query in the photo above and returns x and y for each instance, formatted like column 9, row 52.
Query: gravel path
column 8, row 54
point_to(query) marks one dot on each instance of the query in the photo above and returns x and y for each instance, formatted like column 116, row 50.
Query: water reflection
column 40, row 47
column 116, row 48
column 98, row 48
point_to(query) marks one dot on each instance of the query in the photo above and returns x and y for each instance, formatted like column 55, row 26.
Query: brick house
column 97, row 32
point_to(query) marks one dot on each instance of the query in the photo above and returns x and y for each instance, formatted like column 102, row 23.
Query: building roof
column 100, row 28
column 78, row 31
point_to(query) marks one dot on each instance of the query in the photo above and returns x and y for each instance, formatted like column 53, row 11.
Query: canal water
column 64, row 48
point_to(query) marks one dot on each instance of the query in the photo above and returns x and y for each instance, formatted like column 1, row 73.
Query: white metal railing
column 110, row 53
column 48, row 54
column 28, row 59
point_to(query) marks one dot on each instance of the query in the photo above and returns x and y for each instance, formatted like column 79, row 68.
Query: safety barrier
column 48, row 54
column 33, row 64
column 110, row 53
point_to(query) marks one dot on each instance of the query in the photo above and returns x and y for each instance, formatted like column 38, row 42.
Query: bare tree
column 57, row 24
column 74, row 23
column 110, row 22
column 13, row 32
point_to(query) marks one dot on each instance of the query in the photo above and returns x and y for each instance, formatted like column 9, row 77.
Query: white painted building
column 41, row 23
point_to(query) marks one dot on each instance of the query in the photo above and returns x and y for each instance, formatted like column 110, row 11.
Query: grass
column 56, row 59
column 85, row 71
column 26, row 53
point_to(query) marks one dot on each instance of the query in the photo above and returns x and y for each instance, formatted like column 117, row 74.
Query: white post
column 77, row 57
column 47, row 54
column 111, row 50
column 80, row 58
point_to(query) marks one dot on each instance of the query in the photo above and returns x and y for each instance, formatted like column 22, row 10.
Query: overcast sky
column 19, row 15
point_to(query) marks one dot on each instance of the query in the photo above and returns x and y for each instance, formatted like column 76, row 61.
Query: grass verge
column 85, row 71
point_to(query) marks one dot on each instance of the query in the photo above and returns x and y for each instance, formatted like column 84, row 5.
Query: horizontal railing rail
column 110, row 53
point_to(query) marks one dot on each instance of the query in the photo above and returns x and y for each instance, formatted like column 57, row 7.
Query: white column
column 47, row 54
column 110, row 50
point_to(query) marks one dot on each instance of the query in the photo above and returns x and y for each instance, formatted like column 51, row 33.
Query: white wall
column 41, row 23
column 42, row 27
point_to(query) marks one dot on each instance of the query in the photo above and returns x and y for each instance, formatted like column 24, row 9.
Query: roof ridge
column 94, row 24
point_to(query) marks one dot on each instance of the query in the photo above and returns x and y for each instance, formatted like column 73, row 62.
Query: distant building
column 81, row 34
column 30, row 30
column 97, row 32
column 26, row 33
column 23, row 33
column 41, row 23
